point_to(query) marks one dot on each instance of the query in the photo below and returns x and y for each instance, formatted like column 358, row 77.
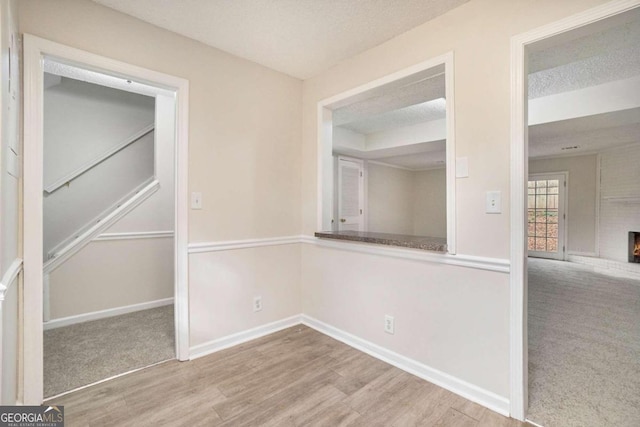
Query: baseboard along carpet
column 584, row 346
column 88, row 352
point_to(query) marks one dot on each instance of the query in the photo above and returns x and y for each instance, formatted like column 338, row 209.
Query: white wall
column 620, row 177
column 402, row 201
column 84, row 120
column 244, row 153
column 95, row 193
column 112, row 273
column 390, row 199
column 430, row 203
column 117, row 273
column 475, row 348
column 581, row 215
column 224, row 284
column 9, row 202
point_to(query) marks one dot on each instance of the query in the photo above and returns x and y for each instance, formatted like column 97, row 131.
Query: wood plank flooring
column 295, row 377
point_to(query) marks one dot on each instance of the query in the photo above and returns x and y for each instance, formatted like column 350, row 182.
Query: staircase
column 99, row 162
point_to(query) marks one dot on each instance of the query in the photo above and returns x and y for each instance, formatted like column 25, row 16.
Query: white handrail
column 69, row 247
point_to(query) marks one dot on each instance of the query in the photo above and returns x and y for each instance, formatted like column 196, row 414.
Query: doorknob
column 343, row 220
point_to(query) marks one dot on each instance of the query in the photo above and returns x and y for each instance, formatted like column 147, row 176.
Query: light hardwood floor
column 296, row 377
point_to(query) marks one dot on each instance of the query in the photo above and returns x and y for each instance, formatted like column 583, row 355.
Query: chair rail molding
column 482, row 263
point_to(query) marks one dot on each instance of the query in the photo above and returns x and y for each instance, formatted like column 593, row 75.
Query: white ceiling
column 613, row 54
column 604, row 52
column 298, row 37
column 407, row 116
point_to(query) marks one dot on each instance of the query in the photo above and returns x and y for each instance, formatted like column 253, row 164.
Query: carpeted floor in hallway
column 84, row 353
column 584, row 346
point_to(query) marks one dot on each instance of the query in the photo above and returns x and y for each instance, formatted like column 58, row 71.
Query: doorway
column 533, row 136
column 546, row 217
column 36, row 52
column 350, row 194
column 108, row 165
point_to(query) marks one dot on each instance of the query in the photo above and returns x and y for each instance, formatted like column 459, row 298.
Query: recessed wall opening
column 108, row 226
column 385, row 166
column 154, row 125
column 581, row 203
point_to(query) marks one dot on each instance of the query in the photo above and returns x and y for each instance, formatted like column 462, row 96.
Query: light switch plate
column 196, row 200
column 494, row 202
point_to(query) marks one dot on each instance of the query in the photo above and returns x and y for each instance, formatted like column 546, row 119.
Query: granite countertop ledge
column 434, row 244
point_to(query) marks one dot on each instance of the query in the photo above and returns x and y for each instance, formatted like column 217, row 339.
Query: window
column 386, row 157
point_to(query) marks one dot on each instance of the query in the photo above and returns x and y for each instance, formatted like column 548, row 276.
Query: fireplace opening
column 634, row 246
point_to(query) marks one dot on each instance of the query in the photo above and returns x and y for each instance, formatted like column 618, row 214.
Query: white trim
column 481, row 263
column 519, row 174
column 450, row 166
column 598, row 202
column 46, row 297
column 131, row 235
column 103, row 314
column 9, row 277
column 576, row 253
column 460, row 387
column 447, row 60
column 209, row 347
column 35, row 49
column 389, row 165
column 195, row 248
column 98, row 159
column 72, row 246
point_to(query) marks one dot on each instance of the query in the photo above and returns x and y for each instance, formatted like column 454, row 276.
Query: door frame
column 324, row 122
column 565, row 210
column 518, row 349
column 35, row 50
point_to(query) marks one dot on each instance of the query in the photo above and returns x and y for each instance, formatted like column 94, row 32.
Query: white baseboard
column 244, row 336
column 469, row 391
column 102, row 314
column 575, row 253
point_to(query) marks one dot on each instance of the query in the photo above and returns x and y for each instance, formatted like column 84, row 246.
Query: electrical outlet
column 389, row 326
column 257, row 304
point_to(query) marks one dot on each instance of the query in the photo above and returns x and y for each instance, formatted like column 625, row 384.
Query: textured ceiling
column 389, row 98
column 589, row 134
column 411, row 115
column 592, row 59
column 298, row 37
column 606, row 51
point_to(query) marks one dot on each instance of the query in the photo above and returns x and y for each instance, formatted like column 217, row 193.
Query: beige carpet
column 584, row 347
column 82, row 354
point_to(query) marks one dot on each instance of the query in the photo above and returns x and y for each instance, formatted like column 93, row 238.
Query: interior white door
column 546, row 215
column 350, row 194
